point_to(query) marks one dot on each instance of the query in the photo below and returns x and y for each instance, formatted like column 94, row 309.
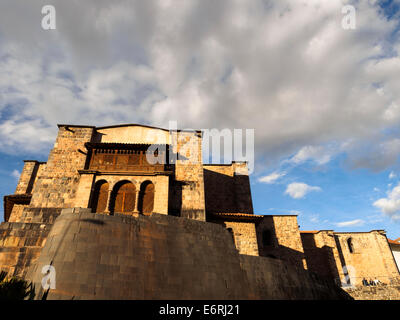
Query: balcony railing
column 131, row 168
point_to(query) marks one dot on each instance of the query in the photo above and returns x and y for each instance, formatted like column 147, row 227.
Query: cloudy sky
column 323, row 100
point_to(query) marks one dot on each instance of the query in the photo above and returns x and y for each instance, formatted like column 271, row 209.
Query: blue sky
column 324, row 101
column 345, row 196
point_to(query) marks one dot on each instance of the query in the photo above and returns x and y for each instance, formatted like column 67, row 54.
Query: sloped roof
column 395, row 242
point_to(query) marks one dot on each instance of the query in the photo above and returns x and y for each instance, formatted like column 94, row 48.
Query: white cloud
column 316, row 153
column 285, row 68
column 392, row 175
column 390, row 205
column 16, row 174
column 298, row 190
column 271, row 178
column 379, row 153
column 314, row 218
column 351, row 223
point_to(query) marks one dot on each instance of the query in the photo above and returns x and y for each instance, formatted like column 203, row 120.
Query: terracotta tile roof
column 312, row 231
column 394, row 241
column 237, row 215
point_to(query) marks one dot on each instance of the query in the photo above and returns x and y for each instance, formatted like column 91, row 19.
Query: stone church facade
column 140, row 171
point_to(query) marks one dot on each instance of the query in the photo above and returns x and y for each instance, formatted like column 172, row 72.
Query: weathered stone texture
column 227, row 188
column 285, row 239
column 390, row 292
column 245, row 237
column 275, row 279
column 17, row 211
column 322, row 254
column 189, row 173
column 28, row 176
column 20, row 245
column 163, row 257
column 57, row 184
column 371, row 257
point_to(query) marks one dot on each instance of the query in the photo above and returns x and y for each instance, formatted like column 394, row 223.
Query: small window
column 350, row 245
column 267, row 238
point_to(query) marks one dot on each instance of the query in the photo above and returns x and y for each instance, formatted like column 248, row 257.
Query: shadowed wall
column 162, row 257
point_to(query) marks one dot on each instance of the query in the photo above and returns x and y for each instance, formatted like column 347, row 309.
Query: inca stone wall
column 276, row 279
column 285, row 239
column 56, row 185
column 162, row 257
column 227, row 188
column 244, row 234
column 28, row 176
column 243, row 200
column 189, row 174
column 219, row 188
column 30, row 172
column 371, row 257
column 21, row 242
column 322, row 255
column 381, row 292
column 17, row 212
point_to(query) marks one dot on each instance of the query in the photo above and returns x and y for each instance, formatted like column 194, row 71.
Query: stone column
column 136, row 209
column 107, row 211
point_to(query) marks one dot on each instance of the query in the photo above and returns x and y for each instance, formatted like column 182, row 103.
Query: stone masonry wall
column 21, row 242
column 245, row 237
column 17, row 212
column 28, row 176
column 162, row 257
column 391, row 292
column 286, row 242
column 322, row 255
column 276, row 279
column 57, row 184
column 371, row 257
column 243, row 200
column 189, row 173
column 227, row 188
column 219, row 188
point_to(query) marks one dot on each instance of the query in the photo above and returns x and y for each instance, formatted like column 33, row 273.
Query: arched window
column 350, row 245
column 146, row 198
column 100, row 196
column 124, row 197
column 267, row 238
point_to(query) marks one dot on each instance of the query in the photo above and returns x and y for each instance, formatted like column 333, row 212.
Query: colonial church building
column 136, row 170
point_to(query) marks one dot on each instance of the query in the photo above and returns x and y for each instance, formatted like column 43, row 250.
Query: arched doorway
column 100, row 196
column 125, row 196
column 146, row 198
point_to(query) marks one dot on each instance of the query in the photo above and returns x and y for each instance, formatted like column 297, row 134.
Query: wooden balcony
column 126, row 158
column 130, row 168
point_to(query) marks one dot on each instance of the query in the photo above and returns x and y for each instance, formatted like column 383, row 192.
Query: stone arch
column 115, row 183
column 146, row 198
column 123, row 197
column 100, row 196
